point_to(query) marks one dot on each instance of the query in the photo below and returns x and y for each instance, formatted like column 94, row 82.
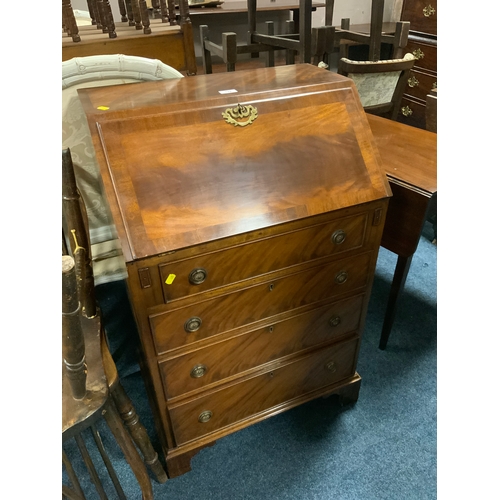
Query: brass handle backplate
column 429, row 11
column 240, row 116
column 338, row 237
column 198, row 371
column 205, row 416
column 341, row 277
column 413, row 82
column 406, row 111
column 418, row 54
column 192, row 324
column 197, row 276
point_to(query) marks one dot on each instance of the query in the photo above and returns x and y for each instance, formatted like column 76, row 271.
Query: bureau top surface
column 177, row 174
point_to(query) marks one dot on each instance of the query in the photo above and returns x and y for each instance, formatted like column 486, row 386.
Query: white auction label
column 230, row 91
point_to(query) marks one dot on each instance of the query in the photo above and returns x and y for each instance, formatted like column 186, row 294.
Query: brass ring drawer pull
column 331, row 366
column 338, row 237
column 406, row 111
column 198, row 371
column 335, row 321
column 197, row 276
column 205, row 416
column 341, row 277
column 192, row 324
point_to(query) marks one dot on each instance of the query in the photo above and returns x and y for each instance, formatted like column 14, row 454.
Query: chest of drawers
column 250, row 249
column 422, row 43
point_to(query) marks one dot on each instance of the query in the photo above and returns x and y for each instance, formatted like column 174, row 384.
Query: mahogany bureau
column 422, row 43
column 250, row 208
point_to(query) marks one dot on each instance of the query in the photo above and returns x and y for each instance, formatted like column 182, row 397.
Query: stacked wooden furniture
column 250, row 207
column 422, row 43
column 169, row 38
column 297, row 39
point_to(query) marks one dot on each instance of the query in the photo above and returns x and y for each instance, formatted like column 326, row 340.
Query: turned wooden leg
column 137, row 431
column 127, row 446
column 398, row 283
column 73, row 340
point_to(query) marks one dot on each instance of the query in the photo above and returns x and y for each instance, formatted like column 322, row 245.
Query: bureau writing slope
column 250, row 207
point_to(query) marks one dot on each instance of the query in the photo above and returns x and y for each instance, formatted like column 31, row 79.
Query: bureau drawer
column 197, row 369
column 221, row 408
column 216, row 269
column 206, row 318
column 422, row 15
column 426, row 55
column 420, row 84
column 412, row 112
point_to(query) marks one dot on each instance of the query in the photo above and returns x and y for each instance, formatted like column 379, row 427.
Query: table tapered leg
column 398, row 283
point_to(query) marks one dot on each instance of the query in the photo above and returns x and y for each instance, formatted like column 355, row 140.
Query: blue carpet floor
column 381, row 448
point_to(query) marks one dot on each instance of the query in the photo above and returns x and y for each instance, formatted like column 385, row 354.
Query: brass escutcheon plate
column 240, row 116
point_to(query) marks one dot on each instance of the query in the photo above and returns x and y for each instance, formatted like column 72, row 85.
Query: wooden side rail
column 229, row 50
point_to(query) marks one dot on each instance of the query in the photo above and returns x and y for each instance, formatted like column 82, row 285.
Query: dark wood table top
column 409, row 154
column 262, row 5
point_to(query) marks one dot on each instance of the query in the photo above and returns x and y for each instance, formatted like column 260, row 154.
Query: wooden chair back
column 380, row 84
column 91, row 388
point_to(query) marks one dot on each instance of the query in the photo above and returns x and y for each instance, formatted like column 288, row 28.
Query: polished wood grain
column 255, row 348
column 225, row 199
column 252, row 304
column 409, row 157
column 259, row 393
column 253, row 212
column 245, row 261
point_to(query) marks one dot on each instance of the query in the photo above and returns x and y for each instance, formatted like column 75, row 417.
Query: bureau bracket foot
column 180, row 464
column 348, row 393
